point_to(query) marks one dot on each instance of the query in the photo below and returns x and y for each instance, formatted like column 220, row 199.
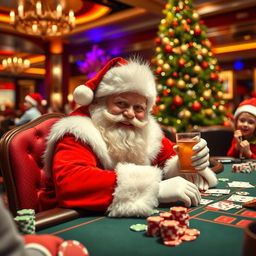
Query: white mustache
column 121, row 118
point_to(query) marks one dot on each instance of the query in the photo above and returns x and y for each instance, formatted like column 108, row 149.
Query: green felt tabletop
column 112, row 236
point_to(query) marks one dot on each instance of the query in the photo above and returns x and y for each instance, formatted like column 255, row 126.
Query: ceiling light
column 38, row 18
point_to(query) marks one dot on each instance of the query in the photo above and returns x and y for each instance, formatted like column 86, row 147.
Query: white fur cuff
column 172, row 168
column 210, row 176
column 136, row 192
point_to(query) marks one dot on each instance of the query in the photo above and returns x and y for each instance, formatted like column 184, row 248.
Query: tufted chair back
column 218, row 139
column 21, row 151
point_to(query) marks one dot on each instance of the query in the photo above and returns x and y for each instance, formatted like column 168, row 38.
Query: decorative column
column 57, row 73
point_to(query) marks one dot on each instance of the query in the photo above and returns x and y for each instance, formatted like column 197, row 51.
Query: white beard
column 124, row 145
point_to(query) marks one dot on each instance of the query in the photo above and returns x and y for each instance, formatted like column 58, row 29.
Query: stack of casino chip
column 166, row 215
column 180, row 214
column 244, row 167
column 172, row 226
column 25, row 221
column 171, row 232
column 154, row 225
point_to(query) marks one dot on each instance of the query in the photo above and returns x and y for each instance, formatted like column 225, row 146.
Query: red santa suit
column 81, row 172
column 84, row 175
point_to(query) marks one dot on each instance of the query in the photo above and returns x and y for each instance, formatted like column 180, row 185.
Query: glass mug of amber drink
column 186, row 141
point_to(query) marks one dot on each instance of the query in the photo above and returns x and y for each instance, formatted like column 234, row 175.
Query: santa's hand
column 178, row 189
column 197, row 179
column 200, row 160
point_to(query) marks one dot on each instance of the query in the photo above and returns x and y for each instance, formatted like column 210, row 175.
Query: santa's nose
column 129, row 113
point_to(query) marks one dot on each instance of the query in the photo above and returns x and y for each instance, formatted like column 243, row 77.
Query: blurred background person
column 32, row 105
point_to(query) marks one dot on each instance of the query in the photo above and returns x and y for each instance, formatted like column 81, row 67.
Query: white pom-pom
column 83, row 95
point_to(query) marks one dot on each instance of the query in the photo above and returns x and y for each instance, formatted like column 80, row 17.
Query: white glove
column 178, row 189
column 197, row 179
column 200, row 160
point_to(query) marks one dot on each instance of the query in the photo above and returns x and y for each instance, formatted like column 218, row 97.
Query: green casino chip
column 155, row 211
column 223, row 179
column 26, row 212
column 242, row 193
column 138, row 227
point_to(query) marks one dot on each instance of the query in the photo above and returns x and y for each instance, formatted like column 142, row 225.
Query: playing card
column 242, row 199
column 218, row 191
column 205, row 201
column 240, row 184
column 221, row 205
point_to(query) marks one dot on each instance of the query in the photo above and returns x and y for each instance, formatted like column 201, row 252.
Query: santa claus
column 111, row 155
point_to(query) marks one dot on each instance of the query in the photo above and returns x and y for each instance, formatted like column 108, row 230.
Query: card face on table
column 218, row 191
column 240, row 184
column 221, row 205
column 242, row 199
column 205, row 201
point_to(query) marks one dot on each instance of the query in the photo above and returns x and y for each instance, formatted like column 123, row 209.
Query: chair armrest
column 215, row 165
column 56, row 216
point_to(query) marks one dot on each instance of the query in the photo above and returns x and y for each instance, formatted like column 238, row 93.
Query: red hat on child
column 118, row 76
column 248, row 105
column 34, row 98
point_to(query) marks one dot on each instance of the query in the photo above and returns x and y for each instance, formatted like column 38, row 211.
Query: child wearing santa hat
column 244, row 141
column 32, row 104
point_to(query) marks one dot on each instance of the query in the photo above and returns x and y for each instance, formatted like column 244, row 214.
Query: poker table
column 222, row 231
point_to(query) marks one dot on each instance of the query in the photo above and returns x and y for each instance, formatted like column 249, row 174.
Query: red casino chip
column 173, row 242
column 192, row 232
column 72, row 248
column 188, row 238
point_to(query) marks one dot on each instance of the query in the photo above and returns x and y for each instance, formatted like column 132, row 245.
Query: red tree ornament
column 174, row 74
column 158, row 40
column 196, row 106
column 197, row 31
column 204, row 64
column 165, row 92
column 177, row 100
column 213, row 76
column 168, row 48
column 181, row 62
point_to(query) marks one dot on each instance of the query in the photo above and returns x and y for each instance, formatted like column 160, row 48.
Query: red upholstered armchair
column 21, row 151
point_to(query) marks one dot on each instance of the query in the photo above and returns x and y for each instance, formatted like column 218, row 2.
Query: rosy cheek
column 140, row 116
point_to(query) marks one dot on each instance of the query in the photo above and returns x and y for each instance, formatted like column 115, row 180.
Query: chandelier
column 39, row 18
column 15, row 64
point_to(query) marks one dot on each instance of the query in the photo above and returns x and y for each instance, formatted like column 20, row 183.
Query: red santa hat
column 118, row 76
column 248, row 105
column 34, row 98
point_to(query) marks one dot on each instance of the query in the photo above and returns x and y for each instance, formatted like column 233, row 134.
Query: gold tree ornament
column 166, row 67
column 207, row 94
column 170, row 82
column 197, row 69
column 181, row 84
column 162, row 107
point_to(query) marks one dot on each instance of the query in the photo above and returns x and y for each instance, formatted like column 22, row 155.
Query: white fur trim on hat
column 31, row 100
column 83, row 95
column 246, row 108
column 132, row 77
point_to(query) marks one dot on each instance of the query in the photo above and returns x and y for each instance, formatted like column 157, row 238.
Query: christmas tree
column 189, row 88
